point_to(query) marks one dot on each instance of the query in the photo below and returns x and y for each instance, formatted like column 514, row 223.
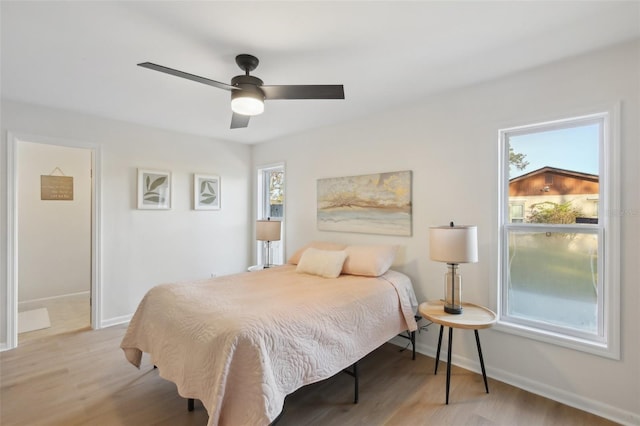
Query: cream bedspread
column 242, row 343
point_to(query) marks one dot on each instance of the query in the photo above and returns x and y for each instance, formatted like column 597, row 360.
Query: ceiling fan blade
column 186, row 75
column 328, row 91
column 239, row 121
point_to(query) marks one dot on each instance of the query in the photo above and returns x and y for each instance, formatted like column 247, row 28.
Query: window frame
column 606, row 342
column 262, row 203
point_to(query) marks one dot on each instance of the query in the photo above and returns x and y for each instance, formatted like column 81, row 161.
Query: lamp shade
column 453, row 244
column 268, row 230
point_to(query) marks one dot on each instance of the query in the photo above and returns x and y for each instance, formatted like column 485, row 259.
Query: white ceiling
column 82, row 56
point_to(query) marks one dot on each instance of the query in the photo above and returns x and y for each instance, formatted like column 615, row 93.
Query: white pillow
column 322, row 245
column 369, row 261
column 324, row 263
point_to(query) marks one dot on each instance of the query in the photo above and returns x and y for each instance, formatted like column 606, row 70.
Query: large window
column 270, row 204
column 558, row 272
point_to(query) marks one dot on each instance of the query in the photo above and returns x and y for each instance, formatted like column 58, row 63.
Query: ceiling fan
column 248, row 93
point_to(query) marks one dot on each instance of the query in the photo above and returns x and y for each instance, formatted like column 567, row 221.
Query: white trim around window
column 263, row 211
column 606, row 340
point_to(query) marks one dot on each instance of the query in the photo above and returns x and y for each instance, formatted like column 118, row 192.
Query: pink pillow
column 323, row 263
column 320, row 245
column 369, row 261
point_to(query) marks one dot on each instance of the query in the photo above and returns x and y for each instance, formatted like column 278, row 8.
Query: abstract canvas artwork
column 374, row 204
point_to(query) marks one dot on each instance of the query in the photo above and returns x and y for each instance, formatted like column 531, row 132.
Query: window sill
column 596, row 348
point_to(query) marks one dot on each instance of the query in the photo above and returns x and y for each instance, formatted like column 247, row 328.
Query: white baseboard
column 42, row 299
column 115, row 321
column 568, row 398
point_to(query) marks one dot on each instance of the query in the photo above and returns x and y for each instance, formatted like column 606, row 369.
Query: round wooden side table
column 473, row 317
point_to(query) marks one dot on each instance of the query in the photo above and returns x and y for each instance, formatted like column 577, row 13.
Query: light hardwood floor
column 82, row 378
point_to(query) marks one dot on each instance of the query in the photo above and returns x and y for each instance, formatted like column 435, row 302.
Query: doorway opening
column 52, row 244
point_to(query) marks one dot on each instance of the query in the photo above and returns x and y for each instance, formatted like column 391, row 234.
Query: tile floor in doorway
column 69, row 313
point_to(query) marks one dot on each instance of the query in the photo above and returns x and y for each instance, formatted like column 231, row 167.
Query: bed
column 241, row 343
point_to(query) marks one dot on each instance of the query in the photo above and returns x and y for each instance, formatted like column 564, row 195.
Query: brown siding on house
column 553, row 186
column 562, row 183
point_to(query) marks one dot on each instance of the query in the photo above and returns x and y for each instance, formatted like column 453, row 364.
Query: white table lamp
column 267, row 231
column 453, row 245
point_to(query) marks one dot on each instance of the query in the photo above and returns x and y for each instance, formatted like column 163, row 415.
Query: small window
column 270, row 202
column 516, row 211
column 553, row 250
column 275, row 195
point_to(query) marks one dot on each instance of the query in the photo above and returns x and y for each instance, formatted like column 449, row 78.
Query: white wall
column 450, row 141
column 142, row 248
column 54, row 235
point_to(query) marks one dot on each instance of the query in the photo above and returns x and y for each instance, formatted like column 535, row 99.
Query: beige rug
column 36, row 319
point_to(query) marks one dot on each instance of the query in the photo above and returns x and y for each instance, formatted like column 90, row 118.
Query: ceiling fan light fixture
column 246, row 102
column 248, row 92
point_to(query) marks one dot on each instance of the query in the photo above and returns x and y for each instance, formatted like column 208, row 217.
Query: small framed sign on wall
column 56, row 187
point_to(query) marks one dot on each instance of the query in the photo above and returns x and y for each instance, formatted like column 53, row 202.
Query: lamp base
column 453, row 290
column 453, row 310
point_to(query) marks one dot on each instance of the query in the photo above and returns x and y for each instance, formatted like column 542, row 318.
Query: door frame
column 11, row 310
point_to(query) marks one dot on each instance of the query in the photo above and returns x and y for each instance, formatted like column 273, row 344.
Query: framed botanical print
column 206, row 192
column 154, row 189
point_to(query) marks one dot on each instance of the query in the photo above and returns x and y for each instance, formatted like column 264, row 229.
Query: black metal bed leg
column 449, row 362
column 354, row 373
column 190, row 404
column 484, row 373
column 355, row 376
column 413, row 345
column 438, row 351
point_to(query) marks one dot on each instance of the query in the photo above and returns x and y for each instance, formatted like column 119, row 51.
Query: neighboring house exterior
column 552, row 186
